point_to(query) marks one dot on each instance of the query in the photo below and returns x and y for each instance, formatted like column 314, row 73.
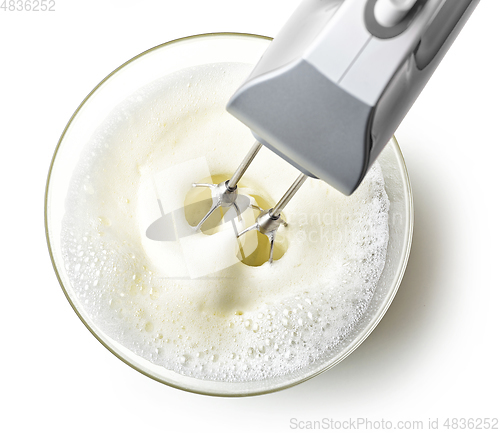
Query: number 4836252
column 28, row 5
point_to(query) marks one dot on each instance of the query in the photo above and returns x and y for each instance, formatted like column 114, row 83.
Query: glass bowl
column 144, row 69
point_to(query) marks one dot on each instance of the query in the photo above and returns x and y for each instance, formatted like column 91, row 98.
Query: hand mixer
column 334, row 85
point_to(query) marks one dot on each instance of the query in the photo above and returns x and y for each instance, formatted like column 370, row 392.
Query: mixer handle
column 414, row 74
column 448, row 19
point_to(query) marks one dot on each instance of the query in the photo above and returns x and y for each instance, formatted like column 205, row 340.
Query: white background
column 435, row 354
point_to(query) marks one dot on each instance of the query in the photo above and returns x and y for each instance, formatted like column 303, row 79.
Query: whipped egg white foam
column 187, row 303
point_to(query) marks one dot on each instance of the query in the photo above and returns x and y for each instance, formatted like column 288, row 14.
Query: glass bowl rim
column 359, row 339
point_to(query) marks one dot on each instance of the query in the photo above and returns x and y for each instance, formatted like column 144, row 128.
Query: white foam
column 237, row 322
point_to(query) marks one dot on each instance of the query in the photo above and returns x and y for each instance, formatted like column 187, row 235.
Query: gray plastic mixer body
column 336, row 82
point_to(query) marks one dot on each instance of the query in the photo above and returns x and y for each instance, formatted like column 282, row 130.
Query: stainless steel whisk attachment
column 225, row 194
column 269, row 220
